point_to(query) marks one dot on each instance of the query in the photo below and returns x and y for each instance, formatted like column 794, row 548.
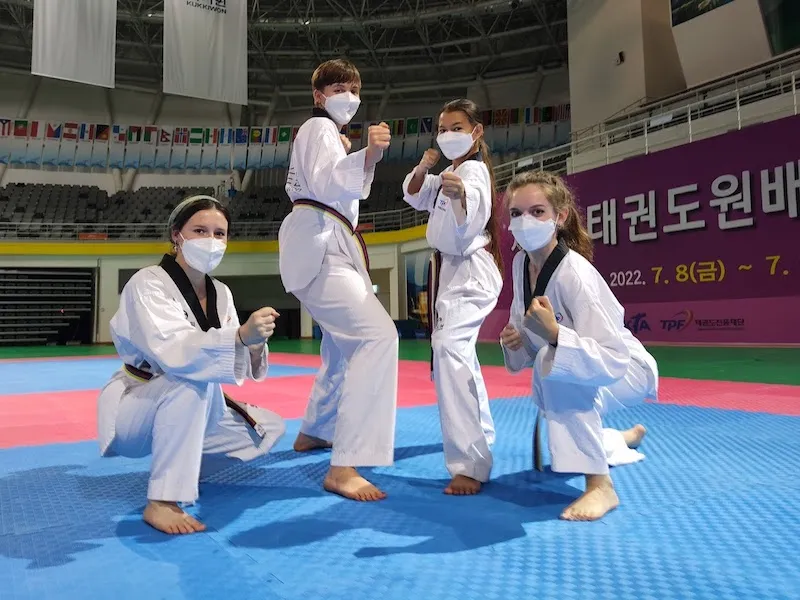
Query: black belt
column 229, row 402
column 342, row 219
column 434, row 269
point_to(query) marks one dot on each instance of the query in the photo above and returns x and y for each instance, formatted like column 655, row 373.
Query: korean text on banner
column 75, row 40
column 205, row 49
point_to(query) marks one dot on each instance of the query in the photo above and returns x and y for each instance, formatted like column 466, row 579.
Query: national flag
column 486, row 118
column 426, row 125
column 70, row 131
column 270, row 135
column 102, row 132
column 134, row 133
column 165, row 137
column 5, row 127
column 398, row 127
column 53, row 131
column 528, row 115
column 412, row 126
column 514, row 116
column 284, row 135
column 563, row 112
column 150, row 134
column 119, row 134
column 241, row 135
column 356, row 131
column 196, row 136
column 256, row 135
column 21, row 129
column 86, row 133
column 294, row 132
column 180, row 137
column 547, row 114
column 500, row 118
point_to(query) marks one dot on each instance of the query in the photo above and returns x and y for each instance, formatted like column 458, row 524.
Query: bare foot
column 346, row 482
column 307, row 443
column 169, row 518
column 599, row 499
column 634, row 436
column 461, row 485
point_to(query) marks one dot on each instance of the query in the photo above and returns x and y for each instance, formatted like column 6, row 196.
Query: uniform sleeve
column 331, row 173
column 251, row 362
column 478, row 191
column 592, row 352
column 425, row 198
column 159, row 328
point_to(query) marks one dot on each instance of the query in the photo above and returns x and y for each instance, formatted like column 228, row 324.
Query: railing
column 391, row 220
column 559, row 159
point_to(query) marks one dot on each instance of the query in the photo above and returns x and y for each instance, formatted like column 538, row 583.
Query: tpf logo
column 678, row 322
column 637, row 323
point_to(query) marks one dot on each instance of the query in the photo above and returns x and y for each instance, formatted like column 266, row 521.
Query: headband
column 185, row 204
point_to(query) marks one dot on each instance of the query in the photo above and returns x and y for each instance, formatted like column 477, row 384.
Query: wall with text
column 698, row 241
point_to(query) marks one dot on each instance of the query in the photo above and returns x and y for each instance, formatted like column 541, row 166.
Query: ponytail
column 493, row 225
column 575, row 235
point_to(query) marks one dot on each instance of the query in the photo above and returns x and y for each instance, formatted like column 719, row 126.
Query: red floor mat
column 32, row 419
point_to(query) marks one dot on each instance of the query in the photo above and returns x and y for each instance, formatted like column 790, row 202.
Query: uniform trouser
column 354, row 398
column 574, row 413
column 175, row 420
column 467, row 426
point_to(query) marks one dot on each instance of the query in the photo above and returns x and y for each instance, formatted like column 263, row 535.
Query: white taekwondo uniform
column 167, row 399
column 464, row 285
column 324, row 263
column 596, row 366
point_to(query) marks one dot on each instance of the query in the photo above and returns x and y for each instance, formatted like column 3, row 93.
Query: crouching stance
column 178, row 335
column 568, row 325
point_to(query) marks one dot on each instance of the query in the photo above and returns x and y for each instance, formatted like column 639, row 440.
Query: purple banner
column 697, row 241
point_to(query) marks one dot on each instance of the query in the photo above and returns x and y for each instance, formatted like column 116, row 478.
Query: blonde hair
column 557, row 192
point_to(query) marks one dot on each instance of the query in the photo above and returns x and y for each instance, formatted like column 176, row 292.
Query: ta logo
column 637, row 323
column 559, row 317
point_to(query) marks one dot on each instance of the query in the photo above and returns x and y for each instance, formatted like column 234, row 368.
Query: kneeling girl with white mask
column 463, row 286
column 567, row 324
column 178, row 334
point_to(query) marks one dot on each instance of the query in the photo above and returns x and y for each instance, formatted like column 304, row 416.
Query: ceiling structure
column 406, row 50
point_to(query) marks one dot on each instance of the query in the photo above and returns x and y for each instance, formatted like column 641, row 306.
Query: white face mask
column 531, row 233
column 455, row 144
column 203, row 254
column 342, row 107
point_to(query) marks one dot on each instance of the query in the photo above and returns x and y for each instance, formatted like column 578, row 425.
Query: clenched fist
column 452, row 186
column 259, row 327
column 510, row 338
column 429, row 159
column 379, row 136
column 541, row 319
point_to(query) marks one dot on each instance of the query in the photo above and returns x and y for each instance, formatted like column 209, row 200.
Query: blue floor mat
column 710, row 514
column 71, row 375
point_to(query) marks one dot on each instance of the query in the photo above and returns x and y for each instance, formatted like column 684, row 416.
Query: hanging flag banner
column 75, row 40
column 205, row 49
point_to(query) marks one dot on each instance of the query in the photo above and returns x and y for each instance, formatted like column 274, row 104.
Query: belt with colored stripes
column 343, row 220
column 137, row 373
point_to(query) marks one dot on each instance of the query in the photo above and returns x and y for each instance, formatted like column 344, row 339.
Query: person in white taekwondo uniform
column 324, row 263
column 464, row 284
column 179, row 337
column 567, row 324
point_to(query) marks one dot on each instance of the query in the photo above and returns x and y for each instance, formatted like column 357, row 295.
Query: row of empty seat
column 36, row 211
column 46, row 306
